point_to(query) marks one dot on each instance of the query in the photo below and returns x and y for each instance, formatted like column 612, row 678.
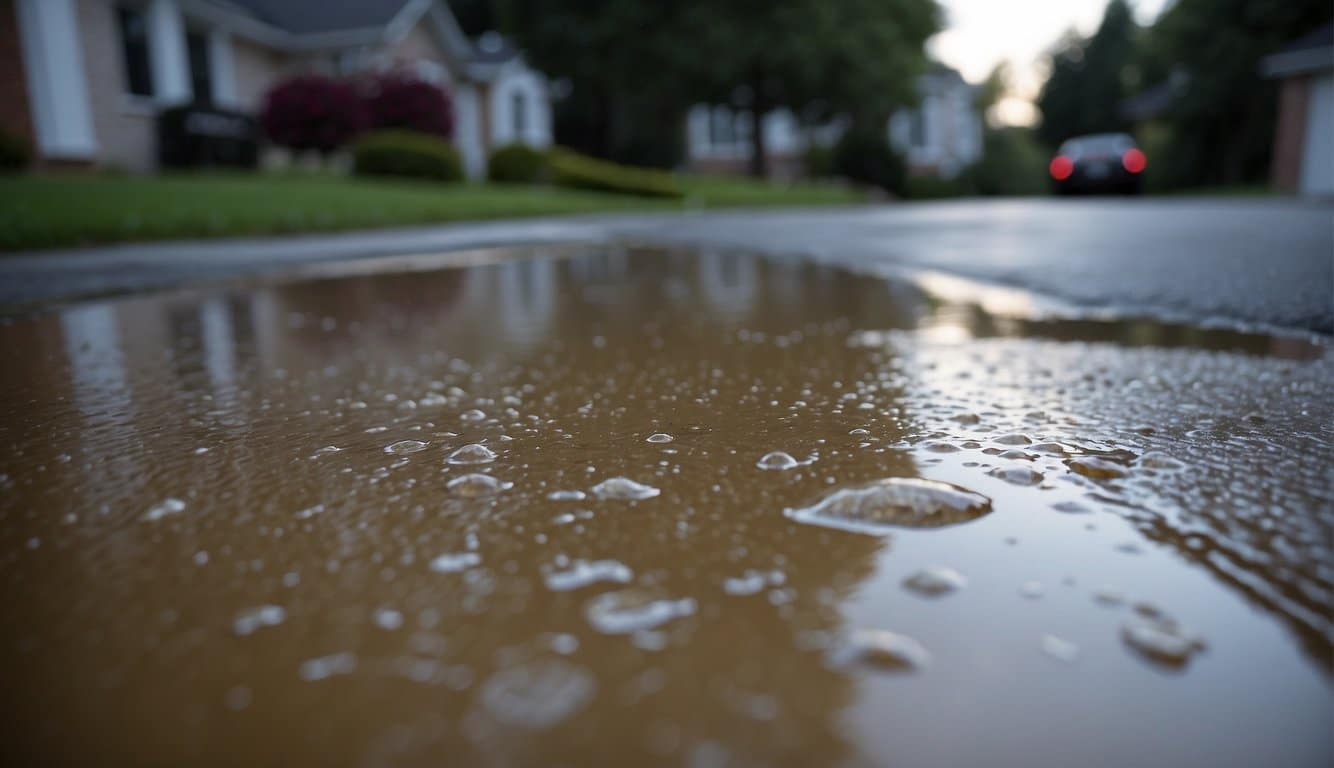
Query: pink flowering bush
column 313, row 112
column 402, row 102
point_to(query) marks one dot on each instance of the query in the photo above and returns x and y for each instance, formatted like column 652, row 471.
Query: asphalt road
column 1254, row 261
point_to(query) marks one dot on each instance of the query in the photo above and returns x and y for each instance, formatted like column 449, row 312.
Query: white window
column 132, row 24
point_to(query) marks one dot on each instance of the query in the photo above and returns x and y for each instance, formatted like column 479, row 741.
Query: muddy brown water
column 231, row 532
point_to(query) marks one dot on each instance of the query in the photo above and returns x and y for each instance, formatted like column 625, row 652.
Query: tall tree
column 1221, row 122
column 1089, row 78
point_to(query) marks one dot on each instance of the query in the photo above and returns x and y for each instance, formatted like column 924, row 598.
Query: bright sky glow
column 979, row 34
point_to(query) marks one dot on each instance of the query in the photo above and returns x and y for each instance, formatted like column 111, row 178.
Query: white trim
column 57, row 82
column 167, row 56
column 223, row 64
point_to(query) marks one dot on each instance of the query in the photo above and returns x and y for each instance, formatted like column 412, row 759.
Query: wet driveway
column 585, row 506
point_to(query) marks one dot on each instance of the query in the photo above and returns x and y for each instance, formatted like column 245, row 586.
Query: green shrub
column 404, row 153
column 935, row 188
column 516, row 164
column 569, row 169
column 14, row 153
column 864, row 155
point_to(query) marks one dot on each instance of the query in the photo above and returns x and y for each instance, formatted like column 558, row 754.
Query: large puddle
column 634, row 508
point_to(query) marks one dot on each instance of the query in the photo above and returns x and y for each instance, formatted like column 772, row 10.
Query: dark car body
column 1105, row 162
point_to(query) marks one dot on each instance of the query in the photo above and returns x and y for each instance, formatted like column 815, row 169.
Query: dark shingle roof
column 306, row 17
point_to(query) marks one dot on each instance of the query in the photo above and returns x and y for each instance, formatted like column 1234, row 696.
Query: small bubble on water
column 1017, row 475
column 582, row 573
column 201, row 558
column 163, row 509
column 567, row 496
column 1162, row 642
column 238, row 698
column 659, row 437
column 472, row 414
column 474, row 453
column 388, row 619
column 935, row 581
column 1071, row 508
column 777, row 461
column 537, row 695
column 564, row 644
column 253, row 619
column 405, row 446
column 1061, row 650
column 453, row 562
column 624, row 489
column 476, row 486
column 324, row 667
column 877, row 507
column 632, row 610
column 882, row 651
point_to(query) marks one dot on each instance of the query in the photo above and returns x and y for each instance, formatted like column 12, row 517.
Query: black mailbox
column 201, row 136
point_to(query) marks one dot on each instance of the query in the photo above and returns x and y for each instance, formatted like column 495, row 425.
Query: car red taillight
column 1061, row 167
column 1133, row 161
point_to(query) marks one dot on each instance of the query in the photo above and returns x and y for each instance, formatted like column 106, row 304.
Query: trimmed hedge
column 569, row 169
column 404, row 153
column 14, row 153
column 864, row 156
column 516, row 164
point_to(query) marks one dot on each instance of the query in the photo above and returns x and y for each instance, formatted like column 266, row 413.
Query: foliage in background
column 865, row 156
column 14, row 153
column 570, row 169
column 406, row 154
column 313, row 112
column 1089, row 79
column 516, row 164
column 397, row 101
column 1013, row 163
column 1220, row 127
column 635, row 68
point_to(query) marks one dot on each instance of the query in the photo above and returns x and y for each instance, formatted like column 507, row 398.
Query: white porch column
column 468, row 130
column 167, row 54
column 224, row 68
column 57, row 83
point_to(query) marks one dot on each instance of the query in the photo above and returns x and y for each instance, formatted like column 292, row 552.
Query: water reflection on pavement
column 525, row 513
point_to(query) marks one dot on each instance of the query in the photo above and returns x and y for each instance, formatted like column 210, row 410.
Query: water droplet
column 935, row 581
column 475, row 453
column 387, row 619
column 1032, row 590
column 895, row 501
column 631, row 610
column 660, row 437
column 1108, row 597
column 1161, row 641
column 1017, row 475
column 163, row 509
column 777, row 460
column 582, row 573
column 472, row 414
column 1012, row 439
column 567, row 496
column 1071, row 508
column 564, row 644
column 1061, row 650
column 1095, row 468
column 938, row 446
column 537, row 694
column 1158, row 460
column 324, row 667
column 476, row 486
column 880, row 650
column 405, row 446
column 752, row 582
column 453, row 562
column 624, row 489
column 253, row 619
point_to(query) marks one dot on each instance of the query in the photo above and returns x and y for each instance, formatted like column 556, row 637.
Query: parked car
column 1104, row 162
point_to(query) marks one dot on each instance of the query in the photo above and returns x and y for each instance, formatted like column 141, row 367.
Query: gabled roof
column 1310, row 53
column 304, row 17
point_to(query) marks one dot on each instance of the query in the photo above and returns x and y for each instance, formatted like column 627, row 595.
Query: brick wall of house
column 15, row 117
column 1290, row 134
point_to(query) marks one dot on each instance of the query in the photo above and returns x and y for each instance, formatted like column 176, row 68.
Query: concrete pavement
column 1258, row 261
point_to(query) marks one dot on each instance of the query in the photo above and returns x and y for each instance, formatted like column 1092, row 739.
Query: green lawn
column 57, row 211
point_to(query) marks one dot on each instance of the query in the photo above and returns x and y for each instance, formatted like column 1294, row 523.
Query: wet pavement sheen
column 631, row 507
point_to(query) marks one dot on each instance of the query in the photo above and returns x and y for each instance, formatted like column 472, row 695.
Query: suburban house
column 940, row 136
column 86, row 79
column 1304, row 139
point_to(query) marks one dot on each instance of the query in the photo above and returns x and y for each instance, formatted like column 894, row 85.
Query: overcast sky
column 980, row 33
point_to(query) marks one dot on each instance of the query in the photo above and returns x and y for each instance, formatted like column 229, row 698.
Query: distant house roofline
column 1311, row 53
